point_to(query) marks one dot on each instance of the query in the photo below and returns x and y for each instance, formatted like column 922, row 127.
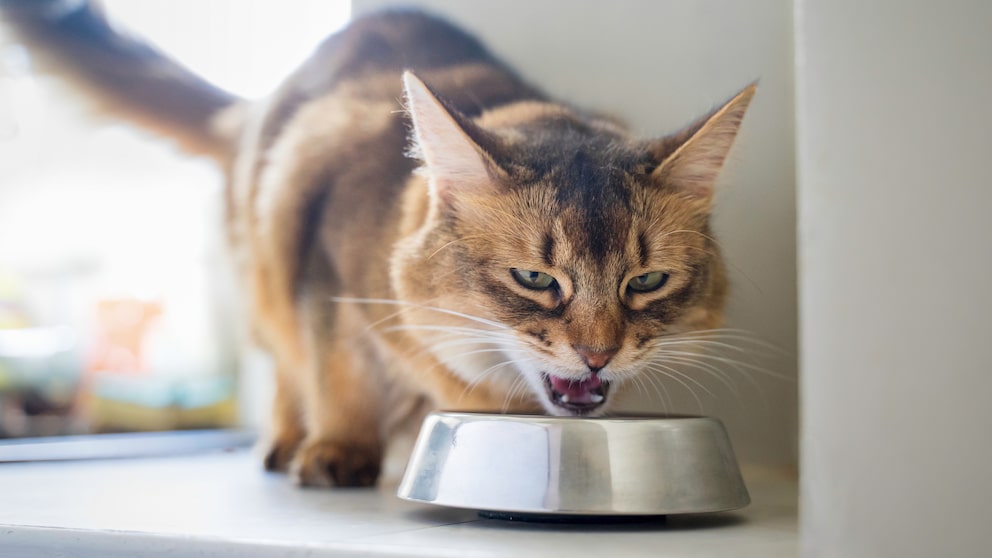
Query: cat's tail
column 122, row 75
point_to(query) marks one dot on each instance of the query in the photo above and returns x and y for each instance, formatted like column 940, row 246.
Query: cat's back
column 367, row 58
column 392, row 41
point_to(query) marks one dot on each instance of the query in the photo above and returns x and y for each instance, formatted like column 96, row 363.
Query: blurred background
column 114, row 308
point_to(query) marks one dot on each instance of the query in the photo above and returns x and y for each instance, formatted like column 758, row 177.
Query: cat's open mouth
column 578, row 397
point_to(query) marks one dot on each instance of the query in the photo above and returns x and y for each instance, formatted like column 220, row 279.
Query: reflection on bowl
column 574, row 466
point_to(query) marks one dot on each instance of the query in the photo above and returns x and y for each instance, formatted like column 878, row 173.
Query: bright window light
column 244, row 46
column 113, row 306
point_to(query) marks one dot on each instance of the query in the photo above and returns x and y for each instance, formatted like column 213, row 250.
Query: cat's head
column 555, row 251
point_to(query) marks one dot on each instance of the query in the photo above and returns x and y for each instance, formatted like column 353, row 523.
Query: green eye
column 648, row 282
column 533, row 279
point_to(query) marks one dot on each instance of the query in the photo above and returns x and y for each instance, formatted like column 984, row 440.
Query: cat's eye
column 648, row 282
column 533, row 279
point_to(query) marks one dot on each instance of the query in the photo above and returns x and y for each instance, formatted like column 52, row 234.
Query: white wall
column 660, row 64
column 894, row 135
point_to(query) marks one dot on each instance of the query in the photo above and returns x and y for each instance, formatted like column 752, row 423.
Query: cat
column 418, row 227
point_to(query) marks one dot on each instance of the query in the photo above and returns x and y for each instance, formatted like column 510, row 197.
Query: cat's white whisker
column 686, row 231
column 709, row 369
column 518, row 383
column 452, row 330
column 388, row 317
column 454, row 339
column 449, row 358
column 460, row 338
column 488, row 371
column 728, row 335
column 414, row 305
column 477, row 381
column 736, row 364
column 453, row 242
column 501, row 345
column 641, row 387
column 741, row 333
column 669, row 372
column 681, row 374
column 394, row 315
column 659, row 388
column 700, row 361
column 711, row 359
column 703, row 250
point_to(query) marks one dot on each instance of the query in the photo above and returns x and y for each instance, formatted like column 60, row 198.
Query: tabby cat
column 417, row 227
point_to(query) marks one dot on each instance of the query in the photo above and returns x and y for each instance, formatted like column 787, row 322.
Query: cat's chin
column 581, row 398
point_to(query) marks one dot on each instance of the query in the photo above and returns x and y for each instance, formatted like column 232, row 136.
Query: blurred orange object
column 121, row 331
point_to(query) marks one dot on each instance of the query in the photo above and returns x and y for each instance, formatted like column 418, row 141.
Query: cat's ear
column 692, row 158
column 449, row 144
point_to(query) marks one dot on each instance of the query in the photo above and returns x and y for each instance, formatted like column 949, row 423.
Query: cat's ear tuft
column 448, row 143
column 691, row 159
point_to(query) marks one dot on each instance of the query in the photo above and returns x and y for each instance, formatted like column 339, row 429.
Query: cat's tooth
column 596, row 398
column 565, row 398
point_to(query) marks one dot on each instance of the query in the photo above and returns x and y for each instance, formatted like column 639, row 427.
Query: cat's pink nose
column 595, row 358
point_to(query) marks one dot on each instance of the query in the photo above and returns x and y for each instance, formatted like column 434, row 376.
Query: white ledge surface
column 223, row 505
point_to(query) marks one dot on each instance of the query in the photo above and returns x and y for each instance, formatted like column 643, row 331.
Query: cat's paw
column 279, row 454
column 329, row 463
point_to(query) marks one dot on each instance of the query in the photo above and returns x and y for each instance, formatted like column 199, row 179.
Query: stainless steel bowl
column 574, row 466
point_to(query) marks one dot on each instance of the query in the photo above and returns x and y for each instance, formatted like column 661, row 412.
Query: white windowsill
column 222, row 504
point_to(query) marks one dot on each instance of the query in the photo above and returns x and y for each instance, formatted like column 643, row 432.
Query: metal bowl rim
column 540, row 419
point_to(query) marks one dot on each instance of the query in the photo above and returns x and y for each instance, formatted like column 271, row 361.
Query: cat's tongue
column 585, row 391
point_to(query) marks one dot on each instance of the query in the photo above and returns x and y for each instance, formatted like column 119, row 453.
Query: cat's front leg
column 341, row 391
column 286, row 432
column 328, row 462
